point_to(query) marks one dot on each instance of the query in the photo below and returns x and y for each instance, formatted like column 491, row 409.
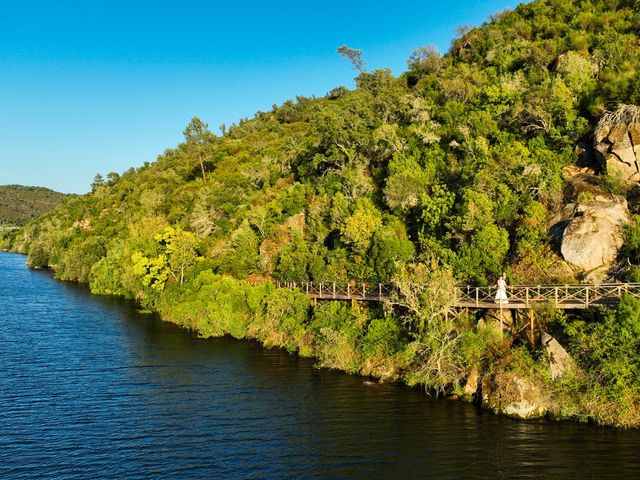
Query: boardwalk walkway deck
column 566, row 297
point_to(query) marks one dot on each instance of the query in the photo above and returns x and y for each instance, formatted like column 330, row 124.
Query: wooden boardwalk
column 566, row 297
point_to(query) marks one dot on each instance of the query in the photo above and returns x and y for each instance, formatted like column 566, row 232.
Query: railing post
column 306, row 288
column 526, row 296
column 348, row 291
column 477, row 294
column 587, row 289
column 320, row 289
column 379, row 291
column 556, row 295
column 364, row 290
column 334, row 289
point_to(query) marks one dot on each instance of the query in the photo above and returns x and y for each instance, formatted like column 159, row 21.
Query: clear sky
column 88, row 87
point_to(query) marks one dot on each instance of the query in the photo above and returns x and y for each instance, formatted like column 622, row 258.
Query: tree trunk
column 204, row 178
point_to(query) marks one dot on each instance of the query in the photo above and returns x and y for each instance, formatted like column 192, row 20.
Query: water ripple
column 91, row 389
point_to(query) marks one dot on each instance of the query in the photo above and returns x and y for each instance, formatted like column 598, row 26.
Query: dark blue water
column 91, row 389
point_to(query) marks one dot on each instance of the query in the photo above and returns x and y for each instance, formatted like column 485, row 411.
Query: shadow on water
column 92, row 388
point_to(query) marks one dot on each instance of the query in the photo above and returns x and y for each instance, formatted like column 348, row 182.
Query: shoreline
column 478, row 380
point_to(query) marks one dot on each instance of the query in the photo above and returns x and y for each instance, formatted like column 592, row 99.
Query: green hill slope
column 446, row 174
column 19, row 204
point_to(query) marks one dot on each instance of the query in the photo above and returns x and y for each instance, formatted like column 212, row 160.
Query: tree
column 425, row 60
column 428, row 294
column 359, row 227
column 178, row 253
column 354, row 56
column 198, row 137
column 113, row 177
column 98, row 180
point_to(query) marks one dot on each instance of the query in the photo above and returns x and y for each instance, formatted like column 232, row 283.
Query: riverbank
column 457, row 355
column 460, row 356
column 134, row 397
column 454, row 354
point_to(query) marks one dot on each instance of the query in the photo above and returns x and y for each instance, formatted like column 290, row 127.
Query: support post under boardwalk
column 531, row 329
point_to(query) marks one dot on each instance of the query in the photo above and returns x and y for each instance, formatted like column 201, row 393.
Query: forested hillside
column 448, row 173
column 19, row 204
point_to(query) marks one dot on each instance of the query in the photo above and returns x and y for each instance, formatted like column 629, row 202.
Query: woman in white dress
column 501, row 293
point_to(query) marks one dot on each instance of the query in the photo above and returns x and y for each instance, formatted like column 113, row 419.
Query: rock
column 471, row 385
column 617, row 142
column 509, row 394
column 599, row 275
column 560, row 362
column 588, row 230
column 84, row 224
column 593, row 235
column 581, row 182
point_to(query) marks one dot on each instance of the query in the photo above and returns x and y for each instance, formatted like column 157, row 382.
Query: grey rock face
column 593, row 235
column 560, row 362
column 617, row 142
column 515, row 396
column 590, row 227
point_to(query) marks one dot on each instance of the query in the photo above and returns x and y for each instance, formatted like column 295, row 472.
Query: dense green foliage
column 605, row 343
column 19, row 204
column 447, row 173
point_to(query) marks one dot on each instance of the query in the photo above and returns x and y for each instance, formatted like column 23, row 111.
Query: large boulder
column 513, row 395
column 589, row 228
column 560, row 362
column 593, row 235
column 617, row 142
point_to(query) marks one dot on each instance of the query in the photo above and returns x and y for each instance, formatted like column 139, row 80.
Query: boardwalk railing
column 556, row 296
column 342, row 291
column 519, row 296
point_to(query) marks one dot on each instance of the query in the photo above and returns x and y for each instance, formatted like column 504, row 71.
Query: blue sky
column 89, row 87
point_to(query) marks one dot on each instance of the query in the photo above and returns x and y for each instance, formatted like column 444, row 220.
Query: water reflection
column 91, row 388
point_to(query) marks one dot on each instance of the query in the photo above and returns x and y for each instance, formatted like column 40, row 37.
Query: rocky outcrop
column 589, row 228
column 471, row 384
column 593, row 234
column 560, row 362
column 617, row 143
column 509, row 394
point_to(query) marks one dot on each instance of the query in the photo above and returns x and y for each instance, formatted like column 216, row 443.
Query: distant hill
column 19, row 204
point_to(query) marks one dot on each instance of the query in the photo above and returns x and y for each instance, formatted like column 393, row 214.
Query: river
column 90, row 388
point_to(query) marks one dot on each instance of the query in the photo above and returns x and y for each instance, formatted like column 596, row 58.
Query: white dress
column 501, row 294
